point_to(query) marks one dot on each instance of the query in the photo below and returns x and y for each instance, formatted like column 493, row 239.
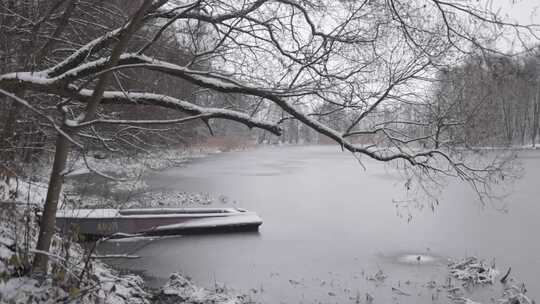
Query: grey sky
column 523, row 11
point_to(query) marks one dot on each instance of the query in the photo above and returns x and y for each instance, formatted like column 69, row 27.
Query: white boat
column 155, row 221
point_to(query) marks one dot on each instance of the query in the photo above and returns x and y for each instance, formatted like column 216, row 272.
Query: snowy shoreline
column 102, row 283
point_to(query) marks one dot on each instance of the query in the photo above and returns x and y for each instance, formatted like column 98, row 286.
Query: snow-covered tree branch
column 357, row 72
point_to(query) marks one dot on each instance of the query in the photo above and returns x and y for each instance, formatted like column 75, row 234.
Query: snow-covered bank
column 75, row 275
column 132, row 166
column 86, row 186
column 72, row 278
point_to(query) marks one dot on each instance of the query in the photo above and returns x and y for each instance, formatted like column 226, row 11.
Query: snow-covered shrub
column 72, row 276
column 473, row 270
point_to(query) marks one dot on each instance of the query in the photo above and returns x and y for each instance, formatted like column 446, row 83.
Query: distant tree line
column 490, row 100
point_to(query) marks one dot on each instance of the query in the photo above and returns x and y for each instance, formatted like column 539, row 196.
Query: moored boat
column 155, row 221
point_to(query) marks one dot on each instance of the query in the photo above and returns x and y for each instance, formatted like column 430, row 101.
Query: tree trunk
column 48, row 219
column 523, row 129
column 9, row 125
column 508, row 129
column 8, row 132
column 535, row 121
column 437, row 134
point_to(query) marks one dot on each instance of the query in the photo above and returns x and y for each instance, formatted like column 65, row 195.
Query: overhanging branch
column 151, row 99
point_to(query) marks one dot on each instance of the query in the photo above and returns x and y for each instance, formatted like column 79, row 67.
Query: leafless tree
column 490, row 100
column 365, row 59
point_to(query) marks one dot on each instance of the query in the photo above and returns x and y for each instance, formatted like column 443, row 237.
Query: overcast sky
column 524, row 12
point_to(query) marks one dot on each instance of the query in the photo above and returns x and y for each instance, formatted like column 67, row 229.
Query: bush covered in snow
column 473, row 271
column 179, row 289
column 72, row 276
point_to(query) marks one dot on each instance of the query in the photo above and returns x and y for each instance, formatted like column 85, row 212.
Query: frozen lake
column 329, row 226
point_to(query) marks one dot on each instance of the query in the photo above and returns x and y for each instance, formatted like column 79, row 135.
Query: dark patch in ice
column 416, row 258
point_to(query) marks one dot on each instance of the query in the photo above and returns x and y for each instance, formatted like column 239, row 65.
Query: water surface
column 330, row 226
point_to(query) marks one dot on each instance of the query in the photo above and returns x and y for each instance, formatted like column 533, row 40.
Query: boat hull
column 109, row 222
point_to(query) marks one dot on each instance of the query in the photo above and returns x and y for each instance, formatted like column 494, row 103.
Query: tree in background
column 488, row 101
column 352, row 71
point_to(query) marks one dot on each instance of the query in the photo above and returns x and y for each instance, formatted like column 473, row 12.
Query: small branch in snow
column 505, row 277
column 400, row 292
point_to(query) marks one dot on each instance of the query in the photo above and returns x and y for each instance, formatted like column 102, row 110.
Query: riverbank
column 87, row 184
column 76, row 276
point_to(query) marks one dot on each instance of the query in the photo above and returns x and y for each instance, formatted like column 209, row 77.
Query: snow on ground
column 23, row 191
column 100, row 283
column 178, row 289
column 131, row 166
column 66, row 281
column 85, row 189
